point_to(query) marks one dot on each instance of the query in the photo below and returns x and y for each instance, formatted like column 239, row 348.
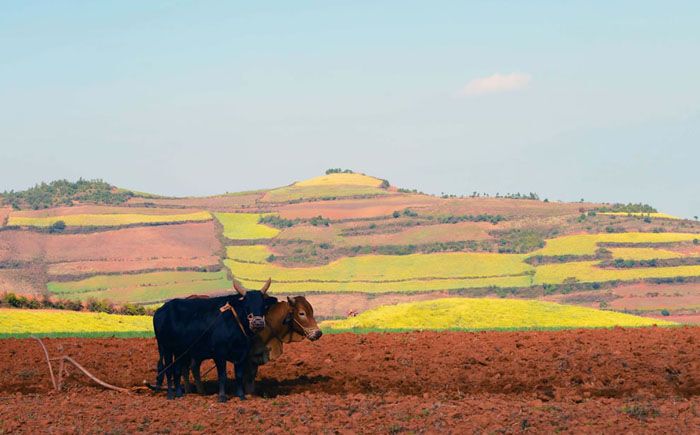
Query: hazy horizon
column 570, row 101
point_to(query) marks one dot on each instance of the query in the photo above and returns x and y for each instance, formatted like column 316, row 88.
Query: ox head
column 302, row 318
column 254, row 302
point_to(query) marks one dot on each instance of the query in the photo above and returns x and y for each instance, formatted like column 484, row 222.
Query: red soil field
column 27, row 281
column 4, row 213
column 582, row 381
column 357, row 208
column 426, row 234
column 644, row 296
column 690, row 319
column 128, row 249
column 509, row 207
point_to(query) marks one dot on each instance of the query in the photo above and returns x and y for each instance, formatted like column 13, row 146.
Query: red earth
column 357, row 208
column 582, row 381
column 123, row 250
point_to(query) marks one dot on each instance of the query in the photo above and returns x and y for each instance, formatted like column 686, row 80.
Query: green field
column 142, row 288
column 485, row 314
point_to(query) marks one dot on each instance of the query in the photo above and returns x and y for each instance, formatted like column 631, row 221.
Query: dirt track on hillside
column 582, row 381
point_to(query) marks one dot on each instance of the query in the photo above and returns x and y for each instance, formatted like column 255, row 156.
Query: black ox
column 219, row 328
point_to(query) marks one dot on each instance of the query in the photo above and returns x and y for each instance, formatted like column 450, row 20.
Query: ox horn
column 239, row 288
column 264, row 288
column 291, row 301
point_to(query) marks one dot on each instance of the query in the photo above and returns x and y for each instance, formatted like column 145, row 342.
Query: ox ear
column 291, row 301
column 264, row 288
column 239, row 288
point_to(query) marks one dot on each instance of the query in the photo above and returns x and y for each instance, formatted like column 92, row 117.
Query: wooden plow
column 63, row 361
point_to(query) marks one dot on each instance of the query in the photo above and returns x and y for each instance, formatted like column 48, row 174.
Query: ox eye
column 302, row 314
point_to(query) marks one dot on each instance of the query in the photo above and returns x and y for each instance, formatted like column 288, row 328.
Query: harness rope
column 228, row 307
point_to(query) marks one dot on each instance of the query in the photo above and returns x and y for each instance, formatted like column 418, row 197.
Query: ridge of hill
column 344, row 239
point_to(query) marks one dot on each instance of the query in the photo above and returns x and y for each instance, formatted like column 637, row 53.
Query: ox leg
column 251, row 371
column 221, row 372
column 160, row 373
column 196, row 365
column 177, row 369
column 167, row 361
column 240, row 369
column 186, row 375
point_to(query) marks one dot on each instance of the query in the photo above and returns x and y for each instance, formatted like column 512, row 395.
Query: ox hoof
column 242, row 397
column 223, row 399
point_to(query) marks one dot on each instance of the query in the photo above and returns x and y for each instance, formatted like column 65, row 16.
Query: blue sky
column 594, row 100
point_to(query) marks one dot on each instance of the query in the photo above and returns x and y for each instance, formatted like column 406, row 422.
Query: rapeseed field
column 341, row 179
column 19, row 323
column 486, row 313
column 108, row 220
column 643, row 253
column 587, row 244
column 384, row 268
column 245, row 226
column 588, row 271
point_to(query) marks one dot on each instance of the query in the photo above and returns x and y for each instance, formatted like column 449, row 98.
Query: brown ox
column 285, row 322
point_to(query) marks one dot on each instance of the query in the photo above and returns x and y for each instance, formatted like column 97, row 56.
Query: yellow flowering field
column 588, row 271
column 586, row 244
column 382, row 268
column 108, row 220
column 341, row 179
column 486, row 313
column 245, row 226
column 643, row 253
column 16, row 322
column 252, row 253
column 639, row 214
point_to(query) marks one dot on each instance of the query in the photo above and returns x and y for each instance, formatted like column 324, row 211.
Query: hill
column 342, row 239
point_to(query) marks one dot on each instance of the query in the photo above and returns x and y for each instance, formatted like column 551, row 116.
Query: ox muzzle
column 314, row 334
column 256, row 323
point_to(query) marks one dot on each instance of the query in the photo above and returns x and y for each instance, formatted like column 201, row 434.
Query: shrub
column 629, row 208
column 64, row 192
column 452, row 219
column 99, row 306
column 396, row 214
column 665, row 312
column 277, row 222
column 320, row 221
column 338, row 171
column 133, row 310
column 57, row 227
